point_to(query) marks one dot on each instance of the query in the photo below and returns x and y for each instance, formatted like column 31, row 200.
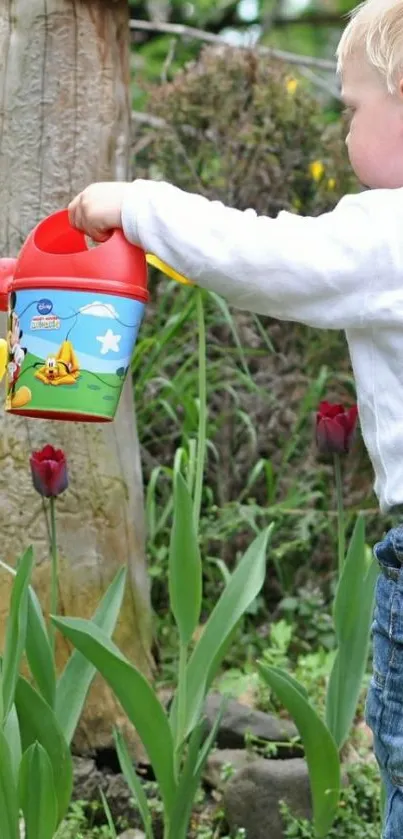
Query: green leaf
column 297, row 685
column 38, row 723
column 353, row 611
column 134, row 783
column 37, row 795
column 136, row 696
column 108, row 814
column 37, row 647
column 187, row 785
column 320, row 749
column 185, row 568
column 243, row 587
column 8, row 794
column 16, row 629
column 75, row 681
column 38, row 650
column 231, row 324
column 11, row 730
column 191, row 773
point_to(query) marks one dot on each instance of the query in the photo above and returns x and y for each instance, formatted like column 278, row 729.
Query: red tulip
column 49, row 471
column 335, row 428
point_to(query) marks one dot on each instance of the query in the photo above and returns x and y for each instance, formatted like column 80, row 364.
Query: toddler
column 342, row 270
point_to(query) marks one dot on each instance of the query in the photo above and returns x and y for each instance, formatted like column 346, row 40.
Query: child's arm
column 330, row 271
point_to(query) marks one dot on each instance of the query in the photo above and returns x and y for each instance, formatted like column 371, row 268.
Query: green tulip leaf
column 37, row 794
column 185, row 568
column 353, row 612
column 242, row 589
column 38, row 650
column 16, row 629
column 320, row 749
column 9, row 815
column 38, row 723
column 136, row 696
column 37, row 646
column 11, row 731
column 190, row 777
column 75, row 681
column 134, row 783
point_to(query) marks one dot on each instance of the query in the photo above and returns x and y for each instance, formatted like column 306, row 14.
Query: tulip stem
column 341, row 527
column 54, row 572
column 182, row 703
column 201, row 437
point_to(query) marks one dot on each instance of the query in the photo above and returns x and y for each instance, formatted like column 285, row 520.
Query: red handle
column 7, row 269
column 55, row 250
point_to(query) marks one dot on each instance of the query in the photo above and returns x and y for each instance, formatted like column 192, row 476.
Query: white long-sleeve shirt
column 342, row 270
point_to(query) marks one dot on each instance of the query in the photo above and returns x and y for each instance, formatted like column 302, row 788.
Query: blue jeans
column 384, row 706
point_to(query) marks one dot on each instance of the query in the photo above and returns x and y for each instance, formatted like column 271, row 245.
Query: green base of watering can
column 73, row 317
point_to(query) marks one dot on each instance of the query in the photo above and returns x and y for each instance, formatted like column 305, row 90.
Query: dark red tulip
column 49, row 471
column 335, row 428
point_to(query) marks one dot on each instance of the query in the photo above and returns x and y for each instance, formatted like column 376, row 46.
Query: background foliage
column 250, row 132
column 310, row 28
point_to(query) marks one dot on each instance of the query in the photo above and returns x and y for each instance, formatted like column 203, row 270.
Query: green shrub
column 247, row 131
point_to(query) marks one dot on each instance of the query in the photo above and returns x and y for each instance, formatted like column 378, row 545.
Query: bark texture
column 65, row 122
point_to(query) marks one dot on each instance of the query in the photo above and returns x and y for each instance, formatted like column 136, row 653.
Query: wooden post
column 64, row 123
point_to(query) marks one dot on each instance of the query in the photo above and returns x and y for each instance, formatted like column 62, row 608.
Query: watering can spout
column 7, row 269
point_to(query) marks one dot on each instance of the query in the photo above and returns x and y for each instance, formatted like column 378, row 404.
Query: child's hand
column 98, row 209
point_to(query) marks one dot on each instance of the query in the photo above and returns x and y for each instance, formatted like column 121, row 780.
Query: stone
column 88, row 780
column 239, row 720
column 132, row 834
column 223, row 763
column 252, row 796
column 120, row 799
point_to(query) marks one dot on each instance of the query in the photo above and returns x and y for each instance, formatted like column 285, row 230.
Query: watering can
column 74, row 313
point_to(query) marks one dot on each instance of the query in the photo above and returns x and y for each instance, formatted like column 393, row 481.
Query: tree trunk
column 65, row 122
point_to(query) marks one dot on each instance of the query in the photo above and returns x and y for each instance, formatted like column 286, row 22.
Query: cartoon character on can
column 76, row 351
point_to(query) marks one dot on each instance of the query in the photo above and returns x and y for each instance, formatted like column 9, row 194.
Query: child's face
column 375, row 139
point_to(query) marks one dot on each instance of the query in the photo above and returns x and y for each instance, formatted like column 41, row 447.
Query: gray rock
column 222, row 764
column 132, row 834
column 251, row 798
column 88, row 780
column 239, row 720
column 119, row 799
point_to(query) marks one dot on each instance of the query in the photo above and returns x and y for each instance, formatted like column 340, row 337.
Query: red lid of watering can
column 56, row 255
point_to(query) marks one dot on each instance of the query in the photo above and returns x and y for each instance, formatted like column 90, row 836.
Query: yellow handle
column 170, row 272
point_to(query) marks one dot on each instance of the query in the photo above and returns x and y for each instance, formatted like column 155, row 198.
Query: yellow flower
column 331, row 183
column 291, row 85
column 316, row 170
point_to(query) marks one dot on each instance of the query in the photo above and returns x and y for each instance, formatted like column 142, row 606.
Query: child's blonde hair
column 377, row 27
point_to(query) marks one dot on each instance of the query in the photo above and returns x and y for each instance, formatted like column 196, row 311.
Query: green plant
column 175, row 740
column 310, row 614
column 353, row 606
column 81, row 822
column 35, row 737
column 358, row 815
column 37, row 721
